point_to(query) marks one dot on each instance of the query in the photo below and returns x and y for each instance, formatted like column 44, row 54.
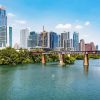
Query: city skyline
column 66, row 15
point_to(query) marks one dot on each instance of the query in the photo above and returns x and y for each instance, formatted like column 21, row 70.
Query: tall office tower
column 44, row 39
column 39, row 39
column 76, row 41
column 65, row 40
column 53, row 40
column 32, row 40
column 10, row 36
column 93, row 46
column 3, row 27
column 24, row 33
column 82, row 45
column 59, row 40
column 71, row 44
column 97, row 47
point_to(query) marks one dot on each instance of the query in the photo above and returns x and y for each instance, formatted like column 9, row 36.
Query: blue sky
column 56, row 15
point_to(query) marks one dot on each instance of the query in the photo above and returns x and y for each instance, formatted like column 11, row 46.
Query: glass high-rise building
column 32, row 40
column 97, row 47
column 59, row 40
column 10, row 36
column 3, row 27
column 76, row 41
column 53, row 40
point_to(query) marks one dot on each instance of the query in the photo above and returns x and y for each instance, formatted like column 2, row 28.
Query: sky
column 82, row 16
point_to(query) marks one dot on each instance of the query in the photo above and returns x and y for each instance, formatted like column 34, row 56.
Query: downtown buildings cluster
column 44, row 39
column 51, row 40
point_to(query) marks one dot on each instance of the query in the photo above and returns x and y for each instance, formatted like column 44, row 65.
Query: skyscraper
column 53, row 40
column 24, row 33
column 44, row 39
column 93, row 46
column 71, row 44
column 76, row 41
column 82, row 45
column 32, row 40
column 97, row 47
column 59, row 40
column 3, row 27
column 10, row 36
column 65, row 40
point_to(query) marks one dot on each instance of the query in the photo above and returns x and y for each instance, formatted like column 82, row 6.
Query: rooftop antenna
column 43, row 29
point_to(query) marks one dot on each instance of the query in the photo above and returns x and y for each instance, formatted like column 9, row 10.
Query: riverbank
column 10, row 56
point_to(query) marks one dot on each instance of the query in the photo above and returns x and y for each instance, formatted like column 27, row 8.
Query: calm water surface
column 50, row 82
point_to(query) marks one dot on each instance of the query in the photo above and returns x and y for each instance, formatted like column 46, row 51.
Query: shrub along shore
column 9, row 56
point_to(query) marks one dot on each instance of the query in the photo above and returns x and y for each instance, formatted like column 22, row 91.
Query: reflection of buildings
column 86, row 69
column 3, row 27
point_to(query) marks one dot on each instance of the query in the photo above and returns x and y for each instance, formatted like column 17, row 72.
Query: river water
column 50, row 82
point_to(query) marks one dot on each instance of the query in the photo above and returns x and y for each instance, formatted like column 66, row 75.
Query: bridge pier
column 61, row 59
column 86, row 59
column 43, row 59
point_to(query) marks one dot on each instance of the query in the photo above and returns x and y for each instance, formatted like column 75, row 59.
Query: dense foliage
column 69, row 60
column 81, row 56
column 10, row 56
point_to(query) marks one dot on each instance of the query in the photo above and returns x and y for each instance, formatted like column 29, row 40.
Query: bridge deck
column 68, row 52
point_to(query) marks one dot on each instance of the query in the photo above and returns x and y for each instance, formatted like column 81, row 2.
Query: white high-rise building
column 24, row 33
column 82, row 45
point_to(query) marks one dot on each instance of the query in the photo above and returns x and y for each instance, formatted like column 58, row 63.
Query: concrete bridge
column 62, row 53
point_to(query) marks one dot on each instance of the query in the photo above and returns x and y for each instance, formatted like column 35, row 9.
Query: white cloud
column 20, row 21
column 78, row 26
column 87, row 23
column 63, row 26
column 11, row 15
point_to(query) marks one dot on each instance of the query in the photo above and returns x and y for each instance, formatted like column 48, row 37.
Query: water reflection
column 86, row 70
